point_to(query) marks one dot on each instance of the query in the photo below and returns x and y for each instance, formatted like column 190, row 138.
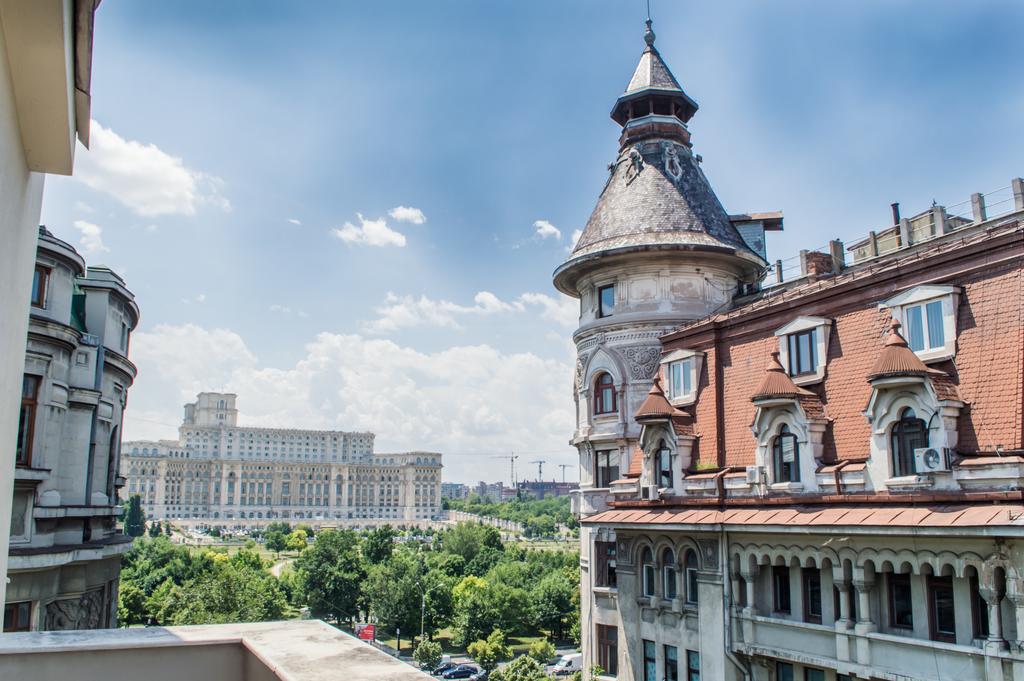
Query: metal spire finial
column 649, row 34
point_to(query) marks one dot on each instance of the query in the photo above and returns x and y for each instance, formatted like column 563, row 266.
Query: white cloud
column 564, row 311
column 295, row 221
column 145, row 178
column 576, row 234
column 201, row 298
column 408, row 214
column 83, row 207
column 546, row 230
column 91, row 240
column 283, row 309
column 467, row 399
column 369, row 232
column 408, row 311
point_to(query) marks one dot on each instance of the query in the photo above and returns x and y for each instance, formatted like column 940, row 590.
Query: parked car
column 443, row 667
column 460, row 671
column 567, row 665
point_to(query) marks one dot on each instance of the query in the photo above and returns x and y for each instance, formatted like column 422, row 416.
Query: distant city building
column 818, row 479
column 541, row 489
column 65, row 548
column 495, row 491
column 220, row 473
column 454, row 490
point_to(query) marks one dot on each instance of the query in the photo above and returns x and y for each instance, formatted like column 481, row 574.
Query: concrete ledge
column 299, row 650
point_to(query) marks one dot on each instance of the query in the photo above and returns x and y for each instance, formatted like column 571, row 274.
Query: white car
column 567, row 664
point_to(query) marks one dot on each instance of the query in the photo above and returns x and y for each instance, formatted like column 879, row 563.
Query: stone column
column 864, row 586
column 843, row 622
column 750, row 579
column 993, row 598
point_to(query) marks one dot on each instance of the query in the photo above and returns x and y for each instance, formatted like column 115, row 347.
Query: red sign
column 366, row 632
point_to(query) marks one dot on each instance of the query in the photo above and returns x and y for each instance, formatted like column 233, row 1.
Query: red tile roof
column 896, row 358
column 636, row 463
column 940, row 515
column 656, row 406
column 776, row 382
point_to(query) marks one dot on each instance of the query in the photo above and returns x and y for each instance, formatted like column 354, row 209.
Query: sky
column 348, row 213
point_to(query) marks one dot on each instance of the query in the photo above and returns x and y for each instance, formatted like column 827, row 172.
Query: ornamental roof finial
column 649, row 33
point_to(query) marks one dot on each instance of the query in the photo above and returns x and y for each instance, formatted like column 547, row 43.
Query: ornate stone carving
column 83, row 612
column 670, row 158
column 636, row 164
column 643, row 360
column 581, row 367
column 709, row 553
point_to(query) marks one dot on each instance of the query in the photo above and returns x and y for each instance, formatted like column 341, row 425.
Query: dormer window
column 682, row 371
column 605, row 300
column 604, row 395
column 928, row 316
column 785, row 456
column 803, row 348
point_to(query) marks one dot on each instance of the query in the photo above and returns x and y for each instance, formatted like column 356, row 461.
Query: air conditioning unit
column 931, row 460
column 754, row 475
column 650, row 493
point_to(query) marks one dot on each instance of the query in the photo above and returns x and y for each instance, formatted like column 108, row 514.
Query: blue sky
column 236, row 143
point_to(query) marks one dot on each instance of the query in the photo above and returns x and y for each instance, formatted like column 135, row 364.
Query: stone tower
column 658, row 250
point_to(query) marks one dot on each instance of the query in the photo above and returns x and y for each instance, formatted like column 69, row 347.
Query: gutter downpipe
column 739, row 664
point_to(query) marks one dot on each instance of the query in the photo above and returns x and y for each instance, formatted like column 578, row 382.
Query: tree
column 308, row 529
column 488, row 653
column 131, row 605
column 278, row 526
column 468, row 539
column 330, row 574
column 232, row 592
column 135, row 518
column 551, row 600
column 523, row 668
column 428, row 654
column 378, row 544
column 542, row 651
column 297, row 540
column 275, row 541
column 153, row 530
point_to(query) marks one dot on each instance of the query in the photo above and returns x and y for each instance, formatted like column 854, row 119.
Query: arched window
column 604, row 395
column 668, row 573
column 690, row 565
column 647, row 560
column 785, row 456
column 908, row 434
column 664, row 465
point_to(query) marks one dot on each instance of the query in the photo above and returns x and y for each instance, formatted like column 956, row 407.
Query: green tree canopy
column 428, row 654
column 135, row 517
column 542, row 651
column 551, row 600
column 378, row 544
column 487, row 653
column 297, row 540
column 523, row 668
column 275, row 541
column 330, row 574
column 232, row 592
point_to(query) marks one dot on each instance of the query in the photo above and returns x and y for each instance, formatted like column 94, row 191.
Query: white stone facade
column 221, row 474
column 65, row 547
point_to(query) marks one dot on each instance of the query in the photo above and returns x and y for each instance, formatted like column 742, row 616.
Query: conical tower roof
column 656, row 197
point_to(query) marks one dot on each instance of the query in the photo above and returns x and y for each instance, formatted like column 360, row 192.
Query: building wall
column 238, row 476
column 65, row 546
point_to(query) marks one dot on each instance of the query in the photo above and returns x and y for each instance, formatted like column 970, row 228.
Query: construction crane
column 512, row 465
column 540, row 469
column 563, row 466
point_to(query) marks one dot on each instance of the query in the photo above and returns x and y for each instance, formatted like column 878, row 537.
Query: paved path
column 276, row 568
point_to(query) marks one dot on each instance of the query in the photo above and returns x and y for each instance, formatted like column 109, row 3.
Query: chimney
column 816, row 265
column 896, row 213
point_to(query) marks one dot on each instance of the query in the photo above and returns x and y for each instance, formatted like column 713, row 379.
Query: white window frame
column 696, row 360
column 822, row 328
column 949, row 296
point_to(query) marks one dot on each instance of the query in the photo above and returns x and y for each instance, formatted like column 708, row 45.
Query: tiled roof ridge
column 855, row 272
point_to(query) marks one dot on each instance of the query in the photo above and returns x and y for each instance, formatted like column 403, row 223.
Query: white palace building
column 218, row 473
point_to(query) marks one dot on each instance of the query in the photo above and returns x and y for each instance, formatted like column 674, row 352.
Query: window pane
column 807, row 352
column 650, row 662
column 780, row 583
column 687, row 371
column 915, row 328
column 814, row 674
column 692, row 665
column 606, row 300
column 783, row 671
column 936, row 334
column 671, row 663
column 943, row 614
column 900, row 601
